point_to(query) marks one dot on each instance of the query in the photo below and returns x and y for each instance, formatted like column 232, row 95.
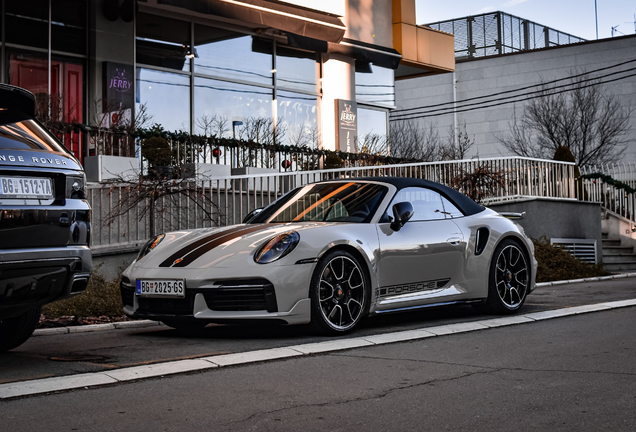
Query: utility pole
column 596, row 16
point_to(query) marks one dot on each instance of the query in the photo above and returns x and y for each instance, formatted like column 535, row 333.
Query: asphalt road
column 568, row 374
column 66, row 354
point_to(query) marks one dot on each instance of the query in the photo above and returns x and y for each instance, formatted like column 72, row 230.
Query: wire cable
column 518, row 89
column 425, row 115
column 542, row 91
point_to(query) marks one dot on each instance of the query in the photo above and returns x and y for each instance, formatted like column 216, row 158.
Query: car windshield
column 25, row 134
column 326, row 202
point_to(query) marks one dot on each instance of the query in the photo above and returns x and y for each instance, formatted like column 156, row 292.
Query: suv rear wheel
column 15, row 331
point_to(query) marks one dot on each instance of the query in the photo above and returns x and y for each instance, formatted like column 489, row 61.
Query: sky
column 575, row 17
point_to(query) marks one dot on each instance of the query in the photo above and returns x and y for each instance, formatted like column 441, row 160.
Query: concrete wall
column 558, row 219
column 485, row 76
column 112, row 266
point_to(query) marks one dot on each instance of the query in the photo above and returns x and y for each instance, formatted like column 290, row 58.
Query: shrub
column 100, row 298
column 556, row 263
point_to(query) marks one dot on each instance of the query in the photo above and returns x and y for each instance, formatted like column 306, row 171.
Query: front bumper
column 275, row 293
column 34, row 277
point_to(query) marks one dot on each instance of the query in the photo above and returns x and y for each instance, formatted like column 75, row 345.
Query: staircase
column 617, row 258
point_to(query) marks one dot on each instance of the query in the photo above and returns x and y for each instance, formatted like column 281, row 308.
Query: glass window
column 450, row 209
column 218, row 104
column 376, row 87
column 26, row 135
column 167, row 98
column 427, row 204
column 295, row 69
column 297, row 118
column 68, row 26
column 27, row 23
column 372, row 130
column 222, row 53
column 163, row 42
column 327, row 202
column 29, row 70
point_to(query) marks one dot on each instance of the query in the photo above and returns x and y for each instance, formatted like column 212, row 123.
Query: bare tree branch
column 587, row 120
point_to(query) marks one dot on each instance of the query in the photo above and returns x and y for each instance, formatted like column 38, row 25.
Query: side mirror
column 402, row 212
column 251, row 215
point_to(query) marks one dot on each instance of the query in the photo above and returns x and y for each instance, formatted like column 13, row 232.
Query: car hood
column 232, row 246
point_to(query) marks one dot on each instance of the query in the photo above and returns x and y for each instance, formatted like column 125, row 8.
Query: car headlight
column 150, row 245
column 277, row 247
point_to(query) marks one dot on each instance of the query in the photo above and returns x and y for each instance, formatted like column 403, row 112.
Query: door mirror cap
column 402, row 212
column 251, row 215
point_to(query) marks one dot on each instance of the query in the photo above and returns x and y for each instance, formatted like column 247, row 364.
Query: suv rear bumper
column 34, row 277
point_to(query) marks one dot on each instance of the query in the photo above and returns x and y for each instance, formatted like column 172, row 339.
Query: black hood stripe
column 192, row 246
column 193, row 254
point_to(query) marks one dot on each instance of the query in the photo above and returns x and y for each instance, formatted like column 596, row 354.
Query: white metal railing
column 621, row 171
column 615, row 199
column 227, row 200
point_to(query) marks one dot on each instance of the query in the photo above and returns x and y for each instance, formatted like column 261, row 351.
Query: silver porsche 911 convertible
column 330, row 253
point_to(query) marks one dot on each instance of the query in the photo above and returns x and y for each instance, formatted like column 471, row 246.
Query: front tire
column 339, row 293
column 15, row 331
column 509, row 279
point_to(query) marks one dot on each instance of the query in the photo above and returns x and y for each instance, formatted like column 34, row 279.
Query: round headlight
column 150, row 245
column 277, row 247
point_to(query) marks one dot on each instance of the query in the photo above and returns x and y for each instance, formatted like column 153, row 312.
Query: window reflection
column 163, row 42
column 227, row 54
column 295, row 69
column 297, row 114
column 376, row 87
column 167, row 98
column 427, row 204
column 219, row 103
column 371, row 122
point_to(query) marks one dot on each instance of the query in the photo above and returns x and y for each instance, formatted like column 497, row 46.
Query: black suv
column 44, row 219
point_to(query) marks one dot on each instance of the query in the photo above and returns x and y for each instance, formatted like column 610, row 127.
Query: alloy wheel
column 511, row 276
column 341, row 293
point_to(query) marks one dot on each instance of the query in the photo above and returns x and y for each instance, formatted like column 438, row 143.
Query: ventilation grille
column 583, row 249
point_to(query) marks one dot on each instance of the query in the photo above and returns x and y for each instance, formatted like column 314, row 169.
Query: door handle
column 454, row 241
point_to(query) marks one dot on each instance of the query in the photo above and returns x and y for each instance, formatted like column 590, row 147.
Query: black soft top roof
column 465, row 204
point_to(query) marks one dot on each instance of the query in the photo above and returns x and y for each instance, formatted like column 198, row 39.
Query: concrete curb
column 95, row 327
column 594, row 279
column 114, row 376
column 149, row 323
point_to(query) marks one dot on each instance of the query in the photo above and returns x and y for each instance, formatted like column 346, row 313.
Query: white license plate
column 161, row 288
column 26, row 187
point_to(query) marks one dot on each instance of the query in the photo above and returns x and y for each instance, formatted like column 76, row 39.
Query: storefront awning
column 270, row 14
column 367, row 53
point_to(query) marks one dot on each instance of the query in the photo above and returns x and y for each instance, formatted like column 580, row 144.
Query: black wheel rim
column 341, row 293
column 511, row 276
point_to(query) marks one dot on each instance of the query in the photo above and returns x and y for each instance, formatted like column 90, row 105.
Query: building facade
column 228, row 68
column 487, row 90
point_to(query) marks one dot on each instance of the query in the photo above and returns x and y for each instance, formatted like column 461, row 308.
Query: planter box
column 205, row 171
column 103, row 168
column 254, row 184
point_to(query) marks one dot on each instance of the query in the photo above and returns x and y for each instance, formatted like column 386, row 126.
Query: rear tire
column 508, row 280
column 339, row 293
column 15, row 331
